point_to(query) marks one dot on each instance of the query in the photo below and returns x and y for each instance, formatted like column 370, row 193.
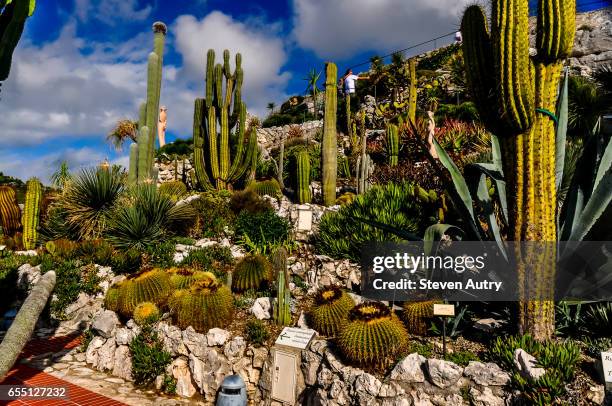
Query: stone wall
column 169, row 171
column 270, row 137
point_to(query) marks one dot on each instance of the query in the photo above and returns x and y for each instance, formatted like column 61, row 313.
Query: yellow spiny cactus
column 330, row 311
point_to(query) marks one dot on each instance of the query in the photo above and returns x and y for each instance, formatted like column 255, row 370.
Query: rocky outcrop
column 270, row 137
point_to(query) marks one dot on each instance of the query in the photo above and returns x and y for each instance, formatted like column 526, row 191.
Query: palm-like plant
column 146, row 217
column 271, row 106
column 587, row 103
column 89, row 198
column 312, row 88
column 61, row 176
column 123, row 131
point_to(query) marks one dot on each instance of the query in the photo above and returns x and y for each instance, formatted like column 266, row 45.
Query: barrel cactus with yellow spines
column 374, row 336
column 175, row 298
column 205, row 305
column 175, row 190
column 10, row 213
column 31, row 213
column 330, row 312
column 183, row 278
column 418, row 315
column 146, row 286
column 222, row 158
column 251, row 272
column 269, row 187
column 146, row 313
column 516, row 96
column 111, row 299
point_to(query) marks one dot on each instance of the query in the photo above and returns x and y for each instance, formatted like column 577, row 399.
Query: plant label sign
column 447, row 310
column 606, row 361
column 295, row 337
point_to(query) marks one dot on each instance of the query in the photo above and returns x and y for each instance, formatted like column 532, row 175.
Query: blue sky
column 80, row 65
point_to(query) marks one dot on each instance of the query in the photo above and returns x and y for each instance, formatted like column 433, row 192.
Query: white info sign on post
column 606, row 363
column 295, row 337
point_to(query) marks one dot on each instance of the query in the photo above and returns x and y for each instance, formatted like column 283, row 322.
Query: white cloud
column 111, row 12
column 43, row 166
column 263, row 54
column 340, row 28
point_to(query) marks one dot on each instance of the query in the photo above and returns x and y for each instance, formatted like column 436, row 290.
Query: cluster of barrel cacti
column 330, row 312
column 282, row 306
column 182, row 278
column 251, row 272
column 373, row 336
column 516, row 97
column 142, row 153
column 206, row 304
column 222, row 158
column 303, row 176
column 147, row 286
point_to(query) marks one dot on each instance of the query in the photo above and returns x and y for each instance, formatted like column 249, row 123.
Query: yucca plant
column 251, row 272
column 330, row 312
column 146, row 313
column 417, row 316
column 146, row 286
column 374, row 336
column 205, row 305
column 88, row 200
column 146, row 217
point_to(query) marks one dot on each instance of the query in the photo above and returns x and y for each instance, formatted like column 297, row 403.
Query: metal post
column 444, row 337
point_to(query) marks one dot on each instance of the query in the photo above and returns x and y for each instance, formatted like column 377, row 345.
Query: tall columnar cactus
column 31, row 213
column 142, row 154
column 222, row 158
column 365, row 167
column 281, row 160
column 303, row 176
column 10, row 214
column 412, row 91
column 392, row 143
column 282, row 307
column 330, row 143
column 523, row 115
column 12, row 17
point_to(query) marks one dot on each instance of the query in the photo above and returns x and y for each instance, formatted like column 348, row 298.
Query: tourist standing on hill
column 348, row 81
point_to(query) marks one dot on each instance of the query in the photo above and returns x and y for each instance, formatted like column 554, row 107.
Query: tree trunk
column 23, row 326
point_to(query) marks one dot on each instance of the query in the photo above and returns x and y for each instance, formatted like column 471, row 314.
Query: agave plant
column 146, row 217
column 88, row 200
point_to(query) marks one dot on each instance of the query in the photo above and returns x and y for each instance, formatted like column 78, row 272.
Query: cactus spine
column 214, row 167
column 31, row 213
column 330, row 143
column 303, row 175
column 527, row 91
column 10, row 213
column 282, row 308
column 142, row 153
column 392, row 144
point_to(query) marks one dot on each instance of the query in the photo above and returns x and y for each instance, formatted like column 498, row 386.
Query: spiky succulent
column 146, row 313
column 183, row 278
column 251, row 272
column 269, row 187
column 417, row 316
column 146, row 286
column 373, row 336
column 330, row 311
column 111, row 300
column 205, row 305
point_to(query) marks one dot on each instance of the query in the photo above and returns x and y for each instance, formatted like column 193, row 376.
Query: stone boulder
column 410, row 369
column 105, row 323
column 443, row 373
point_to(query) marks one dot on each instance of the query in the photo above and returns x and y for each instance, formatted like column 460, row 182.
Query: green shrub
column 594, row 347
column 96, row 251
column 257, row 332
column 62, row 248
column 213, row 259
column 251, row 272
column 71, row 279
column 161, row 255
column 406, row 206
column 263, row 228
column 148, row 357
column 180, row 147
column 126, row 262
column 424, row 349
column 248, row 200
column 558, row 358
column 599, row 319
column 462, row 358
column 8, row 279
column 214, row 215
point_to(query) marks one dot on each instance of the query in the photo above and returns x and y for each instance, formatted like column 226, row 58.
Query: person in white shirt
column 349, row 81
